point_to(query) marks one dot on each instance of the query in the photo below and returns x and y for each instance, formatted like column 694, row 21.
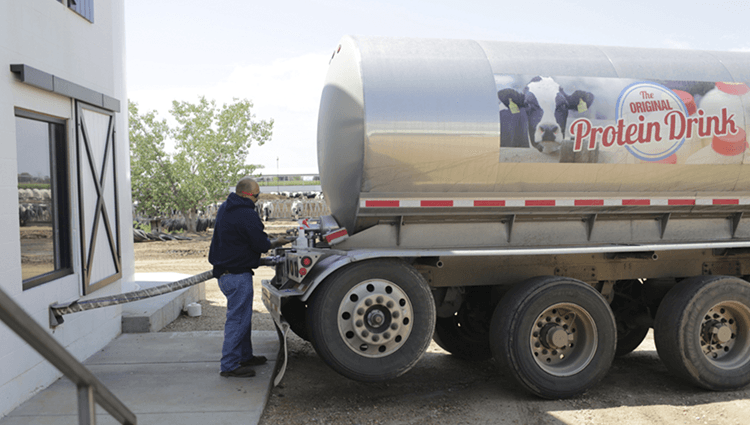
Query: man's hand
column 275, row 243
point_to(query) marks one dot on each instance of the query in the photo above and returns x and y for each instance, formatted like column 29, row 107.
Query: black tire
column 629, row 313
column 629, row 338
column 295, row 313
column 555, row 335
column 702, row 331
column 451, row 337
column 466, row 334
column 373, row 320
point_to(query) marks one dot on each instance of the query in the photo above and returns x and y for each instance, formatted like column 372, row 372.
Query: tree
column 150, row 166
column 211, row 146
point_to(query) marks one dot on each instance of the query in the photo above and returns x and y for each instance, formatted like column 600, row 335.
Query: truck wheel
column 630, row 313
column 629, row 338
column 555, row 335
column 463, row 337
column 702, row 331
column 373, row 320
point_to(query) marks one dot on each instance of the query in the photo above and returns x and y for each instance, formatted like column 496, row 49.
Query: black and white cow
column 539, row 114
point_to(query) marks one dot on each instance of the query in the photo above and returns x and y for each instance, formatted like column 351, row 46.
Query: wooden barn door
column 97, row 197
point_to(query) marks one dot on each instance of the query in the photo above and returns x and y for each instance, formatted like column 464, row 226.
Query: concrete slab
column 153, row 314
column 167, row 347
column 163, row 378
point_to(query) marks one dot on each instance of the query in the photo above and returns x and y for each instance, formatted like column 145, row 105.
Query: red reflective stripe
column 588, row 202
column 540, row 203
column 681, row 202
column 436, row 203
column 336, row 235
column 382, row 204
column 636, row 202
column 489, row 203
column 726, row 201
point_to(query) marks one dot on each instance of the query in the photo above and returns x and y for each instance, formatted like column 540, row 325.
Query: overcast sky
column 276, row 53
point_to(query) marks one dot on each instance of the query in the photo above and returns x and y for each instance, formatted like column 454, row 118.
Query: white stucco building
column 65, row 198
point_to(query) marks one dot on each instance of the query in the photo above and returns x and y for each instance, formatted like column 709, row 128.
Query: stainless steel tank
column 406, row 121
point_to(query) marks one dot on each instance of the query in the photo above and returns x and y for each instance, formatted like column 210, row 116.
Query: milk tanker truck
column 545, row 205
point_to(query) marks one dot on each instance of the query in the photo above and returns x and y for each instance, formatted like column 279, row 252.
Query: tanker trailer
column 545, row 205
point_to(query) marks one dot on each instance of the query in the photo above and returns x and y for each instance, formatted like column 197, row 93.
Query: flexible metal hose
column 61, row 309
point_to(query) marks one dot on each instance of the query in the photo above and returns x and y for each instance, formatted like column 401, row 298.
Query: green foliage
column 150, row 166
column 211, row 146
column 145, row 227
column 33, row 185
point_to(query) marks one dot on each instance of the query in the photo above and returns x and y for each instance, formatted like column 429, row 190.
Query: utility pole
column 277, row 176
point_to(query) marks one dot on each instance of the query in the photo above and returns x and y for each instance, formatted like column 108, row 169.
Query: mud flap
column 282, row 330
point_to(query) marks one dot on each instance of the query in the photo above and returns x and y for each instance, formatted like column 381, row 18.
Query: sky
column 275, row 53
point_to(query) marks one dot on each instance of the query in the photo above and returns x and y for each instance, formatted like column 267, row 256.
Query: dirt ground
column 37, row 250
column 441, row 389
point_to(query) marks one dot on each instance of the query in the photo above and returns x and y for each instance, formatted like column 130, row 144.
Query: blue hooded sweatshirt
column 238, row 239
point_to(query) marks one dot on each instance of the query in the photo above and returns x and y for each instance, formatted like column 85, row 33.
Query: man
column 236, row 246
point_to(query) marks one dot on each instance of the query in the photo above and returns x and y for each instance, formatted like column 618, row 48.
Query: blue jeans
column 238, row 346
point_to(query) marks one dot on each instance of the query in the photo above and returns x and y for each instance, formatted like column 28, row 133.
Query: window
column 43, row 198
column 84, row 8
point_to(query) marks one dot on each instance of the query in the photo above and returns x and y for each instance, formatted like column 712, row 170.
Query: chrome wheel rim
column 563, row 339
column 724, row 335
column 375, row 318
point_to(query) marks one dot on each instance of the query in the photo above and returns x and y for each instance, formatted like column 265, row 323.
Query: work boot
column 240, row 372
column 254, row 361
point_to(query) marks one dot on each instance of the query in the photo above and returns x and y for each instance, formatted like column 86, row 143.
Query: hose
column 60, row 309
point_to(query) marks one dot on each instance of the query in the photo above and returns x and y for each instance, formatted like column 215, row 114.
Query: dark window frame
column 60, row 205
column 85, row 8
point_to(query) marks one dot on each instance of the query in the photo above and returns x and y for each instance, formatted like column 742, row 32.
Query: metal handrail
column 90, row 389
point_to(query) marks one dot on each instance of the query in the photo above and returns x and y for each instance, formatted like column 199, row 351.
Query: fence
column 291, row 208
